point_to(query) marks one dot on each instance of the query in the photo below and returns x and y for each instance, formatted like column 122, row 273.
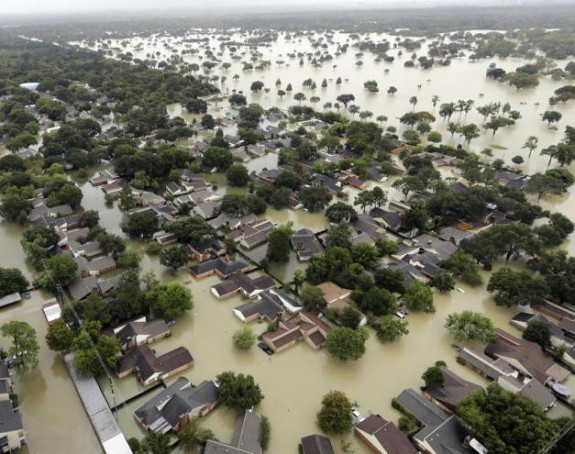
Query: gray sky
column 72, row 6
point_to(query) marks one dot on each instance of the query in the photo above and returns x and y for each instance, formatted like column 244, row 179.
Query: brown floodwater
column 294, row 381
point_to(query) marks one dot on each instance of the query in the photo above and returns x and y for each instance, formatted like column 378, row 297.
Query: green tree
column 154, row 443
column 335, row 414
column 350, row 317
column 169, row 300
column 244, row 338
column 469, row 326
column 127, row 199
column 312, row 299
column 191, row 230
column 238, row 392
column 23, row 353
column 314, row 199
column 539, row 333
column 89, row 219
column 11, row 281
column 59, row 336
column 346, row 343
column 193, row 436
column 141, row 224
column 444, row 282
column 551, row 116
column 340, row 212
column 237, row 176
column 433, row 377
column 508, row 422
column 419, row 297
column 60, row 269
column 174, row 256
column 520, row 288
column 219, row 158
column 279, row 243
column 129, row 258
column 388, row 328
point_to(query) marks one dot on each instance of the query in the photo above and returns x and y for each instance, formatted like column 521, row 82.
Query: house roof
column 391, row 439
column 316, row 444
column 147, row 363
column 141, row 328
column 453, row 389
column 216, row 447
column 333, row 292
column 247, row 430
column 421, row 408
column 162, row 412
column 305, row 243
column 390, row 218
column 447, row 438
column 81, row 288
column 224, row 267
column 491, row 368
column 265, row 307
column 9, row 421
column 526, row 353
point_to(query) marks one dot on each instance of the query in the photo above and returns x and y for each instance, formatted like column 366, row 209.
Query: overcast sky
column 198, row 6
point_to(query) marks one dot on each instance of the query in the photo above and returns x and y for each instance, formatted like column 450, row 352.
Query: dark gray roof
column 9, row 421
column 316, row 444
column 162, row 412
column 265, row 307
column 216, row 447
column 422, row 409
column 247, row 432
column 225, row 268
column 445, row 439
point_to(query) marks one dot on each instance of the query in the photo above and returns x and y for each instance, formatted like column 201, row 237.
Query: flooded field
column 293, row 382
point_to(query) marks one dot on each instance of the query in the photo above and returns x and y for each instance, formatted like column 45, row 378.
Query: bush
column 265, row 433
column 244, row 338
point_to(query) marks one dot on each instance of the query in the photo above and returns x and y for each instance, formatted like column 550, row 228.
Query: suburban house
column 554, row 310
column 338, row 298
column 454, row 388
column 305, row 244
column 510, row 379
column 150, row 368
column 245, row 439
column 267, row 307
column 526, row 357
column 140, row 332
column 242, row 283
column 5, row 382
column 316, row 444
column 251, row 234
column 383, row 437
column 10, row 299
column 219, row 266
column 225, row 221
column 442, row 433
column 52, row 310
column 557, row 336
column 174, row 406
column 12, row 434
column 208, row 248
column 164, row 238
column 391, row 220
column 305, row 326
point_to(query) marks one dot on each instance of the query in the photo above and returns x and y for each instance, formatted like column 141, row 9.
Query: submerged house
column 305, row 327
column 150, row 368
column 12, row 434
column 140, row 332
column 382, row 437
column 305, row 244
column 267, row 307
column 174, row 406
column 249, row 287
column 245, row 439
column 451, row 392
column 316, row 444
column 220, row 267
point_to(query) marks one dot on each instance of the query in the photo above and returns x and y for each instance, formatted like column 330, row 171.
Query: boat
column 460, row 290
column 562, row 390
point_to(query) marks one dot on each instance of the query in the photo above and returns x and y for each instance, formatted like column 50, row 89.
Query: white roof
column 117, row 445
column 52, row 311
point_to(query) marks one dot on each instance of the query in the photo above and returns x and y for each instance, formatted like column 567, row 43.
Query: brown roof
column 453, row 390
column 287, row 339
column 389, row 437
column 317, row 338
column 333, row 291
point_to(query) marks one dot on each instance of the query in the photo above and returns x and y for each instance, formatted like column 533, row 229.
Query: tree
column 413, row 101
column 174, row 256
column 345, row 99
column 208, row 121
column 279, row 245
column 23, row 353
column 257, row 86
column 141, row 225
column 551, row 116
column 531, row 144
column 469, row 326
column 389, row 328
column 129, row 258
column 469, row 132
column 127, row 199
column 299, row 97
column 191, row 230
column 346, row 343
column 507, row 422
column 154, row 443
column 433, row 377
column 244, row 338
column 60, row 269
column 444, row 282
column 554, row 181
column 517, row 288
column 314, row 199
column 335, row 414
column 89, row 219
column 192, row 436
column 539, row 333
column 237, row 100
column 340, row 212
column 364, row 199
column 350, row 317
column 237, row 176
column 434, row 137
column 169, row 300
column 521, row 80
column 391, row 90
column 218, row 158
column 59, row 337
column 416, row 217
column 238, row 392
column 313, row 300
column 419, row 297
column 12, row 281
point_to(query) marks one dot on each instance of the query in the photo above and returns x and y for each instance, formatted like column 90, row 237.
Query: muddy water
column 294, row 381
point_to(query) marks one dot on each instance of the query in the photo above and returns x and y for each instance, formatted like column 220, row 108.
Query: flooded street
column 293, row 382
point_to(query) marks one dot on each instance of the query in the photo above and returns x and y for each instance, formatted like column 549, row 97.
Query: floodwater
column 293, row 381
